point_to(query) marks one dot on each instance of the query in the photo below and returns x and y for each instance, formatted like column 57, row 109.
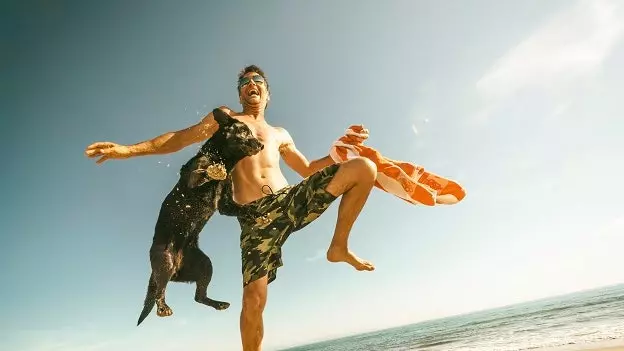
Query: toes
column 164, row 312
column 366, row 266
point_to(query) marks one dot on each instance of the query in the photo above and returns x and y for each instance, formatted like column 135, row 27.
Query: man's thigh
column 309, row 199
column 261, row 245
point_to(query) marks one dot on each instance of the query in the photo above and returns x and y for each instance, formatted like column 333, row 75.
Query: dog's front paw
column 216, row 171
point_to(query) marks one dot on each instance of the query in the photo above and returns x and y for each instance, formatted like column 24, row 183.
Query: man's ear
column 220, row 116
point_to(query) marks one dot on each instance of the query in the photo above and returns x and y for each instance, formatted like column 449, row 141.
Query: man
column 271, row 209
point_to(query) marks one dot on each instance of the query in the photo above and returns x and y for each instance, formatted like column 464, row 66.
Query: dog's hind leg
column 199, row 269
column 163, row 269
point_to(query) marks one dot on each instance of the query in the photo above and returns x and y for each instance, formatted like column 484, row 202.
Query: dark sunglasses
column 245, row 80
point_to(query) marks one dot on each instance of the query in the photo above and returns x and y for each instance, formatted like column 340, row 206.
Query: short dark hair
column 250, row 69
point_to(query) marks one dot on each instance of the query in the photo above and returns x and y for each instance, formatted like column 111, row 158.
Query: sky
column 519, row 101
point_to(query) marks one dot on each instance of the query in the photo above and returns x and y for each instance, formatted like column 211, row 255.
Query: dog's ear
column 221, row 117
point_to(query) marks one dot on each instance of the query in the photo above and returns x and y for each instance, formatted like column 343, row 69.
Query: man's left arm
column 296, row 160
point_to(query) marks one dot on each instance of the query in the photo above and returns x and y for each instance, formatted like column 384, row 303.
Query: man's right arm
column 175, row 141
column 162, row 144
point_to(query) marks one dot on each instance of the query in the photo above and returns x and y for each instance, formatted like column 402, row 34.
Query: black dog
column 175, row 254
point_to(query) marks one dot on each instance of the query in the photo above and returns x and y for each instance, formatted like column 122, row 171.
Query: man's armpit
column 286, row 148
column 286, row 142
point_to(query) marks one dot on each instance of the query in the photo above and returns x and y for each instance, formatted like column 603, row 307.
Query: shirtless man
column 272, row 209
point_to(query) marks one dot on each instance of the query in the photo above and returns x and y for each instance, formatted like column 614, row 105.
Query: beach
column 596, row 348
column 615, row 345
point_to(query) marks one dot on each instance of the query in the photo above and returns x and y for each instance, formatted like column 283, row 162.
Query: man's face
column 253, row 89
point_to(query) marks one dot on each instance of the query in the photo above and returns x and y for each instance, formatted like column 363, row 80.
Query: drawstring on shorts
column 252, row 213
column 271, row 190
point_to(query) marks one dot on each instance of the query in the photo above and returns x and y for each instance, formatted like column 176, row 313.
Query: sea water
column 576, row 319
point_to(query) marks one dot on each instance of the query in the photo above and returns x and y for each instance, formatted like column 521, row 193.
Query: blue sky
column 518, row 101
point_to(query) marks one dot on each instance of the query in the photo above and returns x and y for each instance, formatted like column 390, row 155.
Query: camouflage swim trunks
column 267, row 222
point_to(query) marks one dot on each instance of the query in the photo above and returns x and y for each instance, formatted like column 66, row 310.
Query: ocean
column 577, row 319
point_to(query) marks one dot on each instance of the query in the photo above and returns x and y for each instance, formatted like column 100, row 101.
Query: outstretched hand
column 107, row 150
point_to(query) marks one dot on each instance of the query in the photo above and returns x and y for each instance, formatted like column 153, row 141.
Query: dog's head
column 235, row 138
column 232, row 142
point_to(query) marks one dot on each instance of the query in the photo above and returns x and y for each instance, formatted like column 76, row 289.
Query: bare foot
column 344, row 255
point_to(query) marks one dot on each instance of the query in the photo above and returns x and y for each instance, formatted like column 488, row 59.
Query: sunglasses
column 246, row 80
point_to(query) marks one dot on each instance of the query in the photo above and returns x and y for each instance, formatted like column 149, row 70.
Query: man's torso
column 252, row 173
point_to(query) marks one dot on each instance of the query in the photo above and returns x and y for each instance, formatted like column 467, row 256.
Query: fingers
column 364, row 133
column 100, row 145
column 97, row 149
column 95, row 152
column 364, row 130
column 102, row 159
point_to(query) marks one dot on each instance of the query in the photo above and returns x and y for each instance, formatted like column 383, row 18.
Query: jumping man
column 271, row 209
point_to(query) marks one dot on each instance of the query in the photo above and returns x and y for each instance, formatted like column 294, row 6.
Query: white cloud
column 561, row 109
column 614, row 228
column 572, row 46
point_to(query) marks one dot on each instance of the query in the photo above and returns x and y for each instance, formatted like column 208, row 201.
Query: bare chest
column 266, row 134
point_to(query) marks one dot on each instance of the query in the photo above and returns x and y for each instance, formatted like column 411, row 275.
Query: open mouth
column 254, row 92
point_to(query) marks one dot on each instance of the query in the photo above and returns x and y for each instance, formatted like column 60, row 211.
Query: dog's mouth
column 254, row 148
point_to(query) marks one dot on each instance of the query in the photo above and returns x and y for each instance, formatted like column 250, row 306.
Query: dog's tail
column 150, row 300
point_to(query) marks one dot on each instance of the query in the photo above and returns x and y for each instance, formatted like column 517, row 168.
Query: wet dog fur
column 175, row 254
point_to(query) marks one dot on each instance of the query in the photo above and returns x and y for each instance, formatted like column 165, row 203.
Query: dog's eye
column 243, row 133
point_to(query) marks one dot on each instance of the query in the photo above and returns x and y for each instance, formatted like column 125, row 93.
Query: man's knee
column 254, row 296
column 356, row 171
column 364, row 168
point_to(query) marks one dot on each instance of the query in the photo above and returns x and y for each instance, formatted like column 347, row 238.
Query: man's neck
column 254, row 112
